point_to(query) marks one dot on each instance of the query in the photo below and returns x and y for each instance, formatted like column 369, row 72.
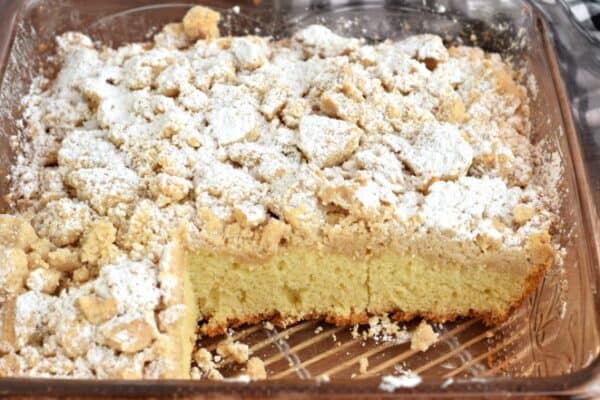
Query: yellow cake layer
column 301, row 283
column 187, row 328
column 291, row 284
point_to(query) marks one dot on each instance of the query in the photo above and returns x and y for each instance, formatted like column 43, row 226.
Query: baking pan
column 549, row 347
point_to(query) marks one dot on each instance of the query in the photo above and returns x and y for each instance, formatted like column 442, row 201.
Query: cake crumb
column 256, row 369
column 195, row 373
column 423, row 337
column 363, row 364
column 268, row 325
column 382, row 329
column 214, row 375
column 204, row 359
column 205, row 365
column 522, row 214
column 97, row 243
column 237, row 351
column 63, row 259
column 201, row 23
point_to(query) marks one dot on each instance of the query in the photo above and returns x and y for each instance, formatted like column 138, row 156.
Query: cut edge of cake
column 300, row 284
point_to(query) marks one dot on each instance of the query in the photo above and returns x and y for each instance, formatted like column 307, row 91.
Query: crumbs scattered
column 208, row 365
column 382, row 329
column 236, row 351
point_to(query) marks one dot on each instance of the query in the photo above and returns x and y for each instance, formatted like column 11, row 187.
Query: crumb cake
column 209, row 181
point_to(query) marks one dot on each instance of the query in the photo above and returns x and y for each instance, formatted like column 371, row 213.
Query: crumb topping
column 260, row 144
column 104, row 325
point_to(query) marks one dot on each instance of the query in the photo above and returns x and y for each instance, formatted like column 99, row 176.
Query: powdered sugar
column 406, row 379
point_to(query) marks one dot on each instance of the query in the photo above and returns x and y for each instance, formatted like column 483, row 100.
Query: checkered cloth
column 587, row 13
column 579, row 59
column 583, row 84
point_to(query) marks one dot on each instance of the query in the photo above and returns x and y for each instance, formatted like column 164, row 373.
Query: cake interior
column 187, row 328
column 308, row 283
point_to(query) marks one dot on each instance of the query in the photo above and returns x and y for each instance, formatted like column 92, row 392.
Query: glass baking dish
column 549, row 347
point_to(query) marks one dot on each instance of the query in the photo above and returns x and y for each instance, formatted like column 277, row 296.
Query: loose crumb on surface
column 423, row 337
column 382, row 329
column 201, row 23
column 237, row 351
column 268, row 325
column 363, row 365
column 256, row 369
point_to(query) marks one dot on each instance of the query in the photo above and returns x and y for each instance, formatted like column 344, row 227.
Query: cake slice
column 226, row 181
column 362, row 269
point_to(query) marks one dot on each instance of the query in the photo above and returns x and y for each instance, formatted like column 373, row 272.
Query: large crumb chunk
column 250, row 52
column 16, row 232
column 423, row 337
column 129, row 337
column 63, row 221
column 201, row 23
column 96, row 309
column 97, row 246
column 234, row 116
column 327, row 141
column 13, row 271
column 87, row 149
column 44, row 280
column 438, row 152
column 236, row 351
column 424, row 47
column 63, row 259
column 320, row 40
column 105, row 188
column 255, row 368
